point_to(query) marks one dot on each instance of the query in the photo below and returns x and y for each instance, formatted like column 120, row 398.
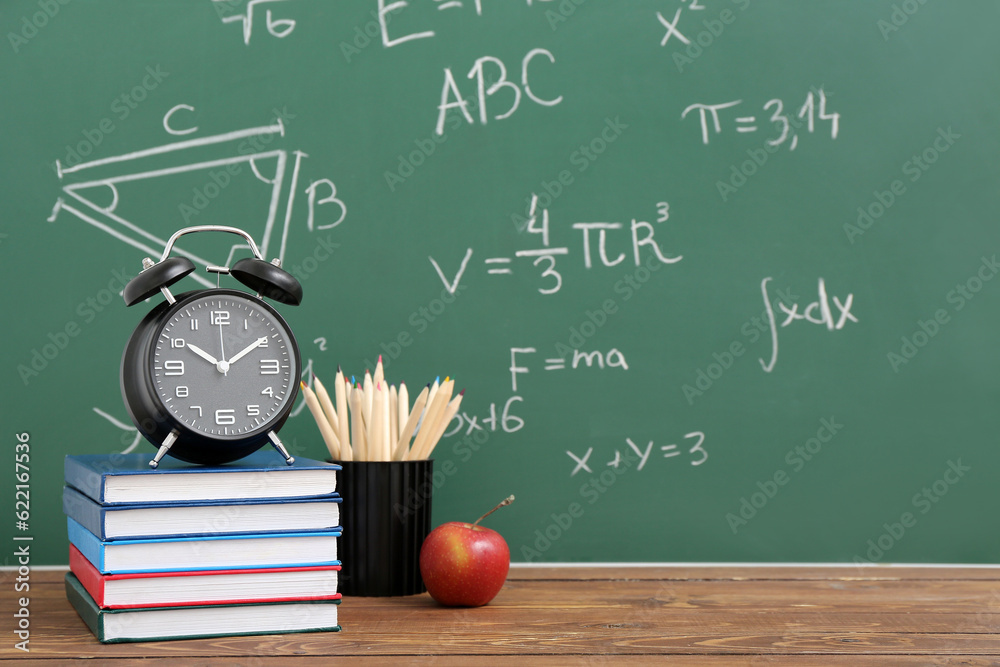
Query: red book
column 206, row 587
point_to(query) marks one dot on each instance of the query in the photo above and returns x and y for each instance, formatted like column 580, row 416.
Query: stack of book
column 201, row 551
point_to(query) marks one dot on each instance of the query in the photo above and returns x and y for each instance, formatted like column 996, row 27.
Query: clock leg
column 167, row 442
column 289, row 459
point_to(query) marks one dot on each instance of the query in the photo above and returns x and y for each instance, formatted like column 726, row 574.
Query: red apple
column 465, row 564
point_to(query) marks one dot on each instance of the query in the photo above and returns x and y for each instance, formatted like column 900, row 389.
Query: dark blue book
column 207, row 517
column 127, row 478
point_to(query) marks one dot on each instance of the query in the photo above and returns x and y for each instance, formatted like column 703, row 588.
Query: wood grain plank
column 739, row 619
column 752, row 573
column 774, row 660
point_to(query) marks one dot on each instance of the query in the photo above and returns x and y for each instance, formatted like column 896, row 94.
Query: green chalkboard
column 717, row 276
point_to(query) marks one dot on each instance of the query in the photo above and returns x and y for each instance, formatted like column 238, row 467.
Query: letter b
column 95, row 137
column 28, row 30
column 563, row 520
column 881, row 197
column 725, row 359
column 426, row 146
column 896, row 530
column 60, row 339
column 50, row 7
column 769, row 488
column 405, row 169
column 737, row 178
column 874, row 553
column 598, row 318
column 221, row 178
column 541, row 543
column 758, row 155
column 392, row 349
column 747, row 511
column 714, row 26
column 554, row 188
column 361, row 40
column 930, row 327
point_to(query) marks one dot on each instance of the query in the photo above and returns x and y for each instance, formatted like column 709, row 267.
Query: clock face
column 224, row 365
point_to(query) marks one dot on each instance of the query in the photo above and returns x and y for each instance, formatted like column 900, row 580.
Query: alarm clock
column 210, row 375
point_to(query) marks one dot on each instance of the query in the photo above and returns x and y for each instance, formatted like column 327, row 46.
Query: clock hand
column 222, row 365
column 201, row 353
column 242, row 353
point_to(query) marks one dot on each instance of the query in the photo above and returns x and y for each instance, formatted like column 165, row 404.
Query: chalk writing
column 696, row 451
column 811, row 112
column 641, row 235
column 817, row 312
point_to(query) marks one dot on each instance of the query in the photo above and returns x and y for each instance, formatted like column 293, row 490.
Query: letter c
column 524, row 77
column 166, row 120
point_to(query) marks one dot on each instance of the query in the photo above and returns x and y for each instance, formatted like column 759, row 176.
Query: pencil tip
column 461, row 393
column 380, row 358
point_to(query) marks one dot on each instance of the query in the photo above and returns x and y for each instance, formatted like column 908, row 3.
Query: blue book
column 209, row 517
column 216, row 552
column 127, row 478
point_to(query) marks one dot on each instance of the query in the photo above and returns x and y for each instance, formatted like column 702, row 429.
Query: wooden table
column 574, row 615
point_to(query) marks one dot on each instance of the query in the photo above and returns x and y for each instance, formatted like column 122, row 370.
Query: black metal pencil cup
column 386, row 514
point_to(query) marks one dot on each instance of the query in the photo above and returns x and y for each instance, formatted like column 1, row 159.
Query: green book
column 191, row 622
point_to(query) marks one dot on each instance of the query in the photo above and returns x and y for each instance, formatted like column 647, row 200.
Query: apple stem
column 506, row 501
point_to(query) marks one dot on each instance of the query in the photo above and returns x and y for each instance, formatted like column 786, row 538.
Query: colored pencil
column 329, row 437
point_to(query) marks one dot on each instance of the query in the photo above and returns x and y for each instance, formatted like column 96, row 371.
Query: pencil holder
column 386, row 514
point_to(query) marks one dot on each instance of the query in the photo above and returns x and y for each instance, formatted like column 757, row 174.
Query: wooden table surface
column 574, row 615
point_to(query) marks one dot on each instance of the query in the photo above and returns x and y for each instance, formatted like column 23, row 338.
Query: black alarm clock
column 209, row 376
